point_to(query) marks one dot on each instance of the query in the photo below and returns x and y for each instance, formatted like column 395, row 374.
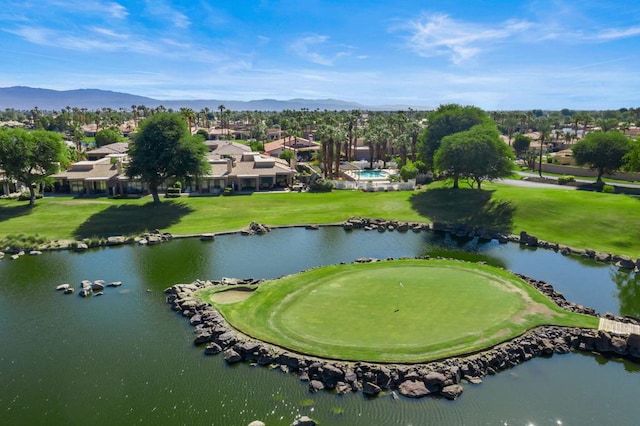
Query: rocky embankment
column 442, row 378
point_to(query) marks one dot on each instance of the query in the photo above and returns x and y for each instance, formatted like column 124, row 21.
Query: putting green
column 393, row 311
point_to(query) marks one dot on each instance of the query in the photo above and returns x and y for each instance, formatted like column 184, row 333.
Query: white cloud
column 435, row 35
column 109, row 8
column 618, row 33
column 164, row 11
column 307, row 48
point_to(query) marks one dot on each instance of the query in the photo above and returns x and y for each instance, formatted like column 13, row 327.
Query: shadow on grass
column 131, row 220
column 469, row 207
column 7, row 213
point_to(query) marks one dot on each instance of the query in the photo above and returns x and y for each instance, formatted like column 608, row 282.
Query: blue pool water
column 371, row 174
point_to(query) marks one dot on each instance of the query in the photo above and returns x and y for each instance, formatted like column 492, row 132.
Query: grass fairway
column 394, row 311
column 550, row 214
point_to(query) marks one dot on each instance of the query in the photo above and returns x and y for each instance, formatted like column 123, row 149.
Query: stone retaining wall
column 442, row 378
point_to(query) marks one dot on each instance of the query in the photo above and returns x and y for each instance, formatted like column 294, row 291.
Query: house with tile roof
column 103, row 151
column 91, row 177
column 232, row 165
column 250, row 171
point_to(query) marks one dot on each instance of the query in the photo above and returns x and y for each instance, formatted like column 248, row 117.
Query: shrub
column 421, row 166
column 26, row 196
column 321, row 185
column 408, row 171
column 172, row 193
column 563, row 180
column 608, row 189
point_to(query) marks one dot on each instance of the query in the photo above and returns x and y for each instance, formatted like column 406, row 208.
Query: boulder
column 619, row 345
column 115, row 241
column 69, row 290
column 97, row 285
column 257, row 423
column 304, row 421
column 232, row 356
column 435, row 379
column 80, row 246
column 370, row 388
column 62, row 287
column 413, row 389
column 315, row 386
column 452, row 391
column 35, row 253
column 633, row 345
column 154, row 239
column 207, row 237
column 625, row 262
column 331, row 375
column 115, row 284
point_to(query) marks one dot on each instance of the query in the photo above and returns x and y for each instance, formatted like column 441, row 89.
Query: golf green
column 391, row 311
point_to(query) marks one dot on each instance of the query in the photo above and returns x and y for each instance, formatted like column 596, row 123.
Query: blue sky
column 494, row 54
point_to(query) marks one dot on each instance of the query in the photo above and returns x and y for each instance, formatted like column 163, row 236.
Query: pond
column 125, row 357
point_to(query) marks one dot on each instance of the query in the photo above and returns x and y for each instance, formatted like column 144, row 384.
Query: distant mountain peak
column 26, row 98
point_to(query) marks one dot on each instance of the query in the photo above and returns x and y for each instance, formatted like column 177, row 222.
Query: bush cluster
column 563, row 180
column 174, row 191
column 321, row 185
column 608, row 189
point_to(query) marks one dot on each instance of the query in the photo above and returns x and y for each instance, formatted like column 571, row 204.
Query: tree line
column 459, row 143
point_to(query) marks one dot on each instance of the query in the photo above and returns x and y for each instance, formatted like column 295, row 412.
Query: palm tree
column 352, row 121
column 586, row 119
column 510, row 123
column 222, row 109
column 188, row 115
column 544, row 128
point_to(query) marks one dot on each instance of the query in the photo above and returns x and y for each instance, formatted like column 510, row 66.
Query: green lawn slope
column 605, row 222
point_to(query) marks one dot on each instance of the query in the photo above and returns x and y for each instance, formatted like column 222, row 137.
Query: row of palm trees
column 579, row 122
column 386, row 135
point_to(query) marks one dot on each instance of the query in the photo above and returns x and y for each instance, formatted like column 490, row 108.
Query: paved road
column 624, row 185
column 530, row 184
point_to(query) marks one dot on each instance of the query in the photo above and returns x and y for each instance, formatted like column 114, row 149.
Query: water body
column 125, row 358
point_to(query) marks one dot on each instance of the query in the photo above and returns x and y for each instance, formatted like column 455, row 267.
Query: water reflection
column 125, row 357
column 628, row 284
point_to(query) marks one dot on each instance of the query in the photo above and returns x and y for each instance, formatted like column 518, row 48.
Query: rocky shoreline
column 441, row 378
column 367, row 224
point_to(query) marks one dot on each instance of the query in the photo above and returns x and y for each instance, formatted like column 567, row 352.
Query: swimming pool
column 371, row 174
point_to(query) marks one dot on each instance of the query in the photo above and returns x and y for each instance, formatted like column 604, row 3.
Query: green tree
column 477, row 154
column 521, row 144
column 602, row 151
column 204, row 134
column 632, row 158
column 31, row 157
column 107, row 136
column 445, row 121
column 164, row 149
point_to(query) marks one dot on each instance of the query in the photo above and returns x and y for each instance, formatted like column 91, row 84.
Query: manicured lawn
column 397, row 311
column 605, row 222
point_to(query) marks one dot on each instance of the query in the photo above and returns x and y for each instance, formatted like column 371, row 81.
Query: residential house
column 91, row 177
column 106, row 150
column 232, row 165
column 250, row 171
column 226, row 147
column 304, row 149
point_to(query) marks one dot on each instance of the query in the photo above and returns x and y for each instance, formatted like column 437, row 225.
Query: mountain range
column 26, row 98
